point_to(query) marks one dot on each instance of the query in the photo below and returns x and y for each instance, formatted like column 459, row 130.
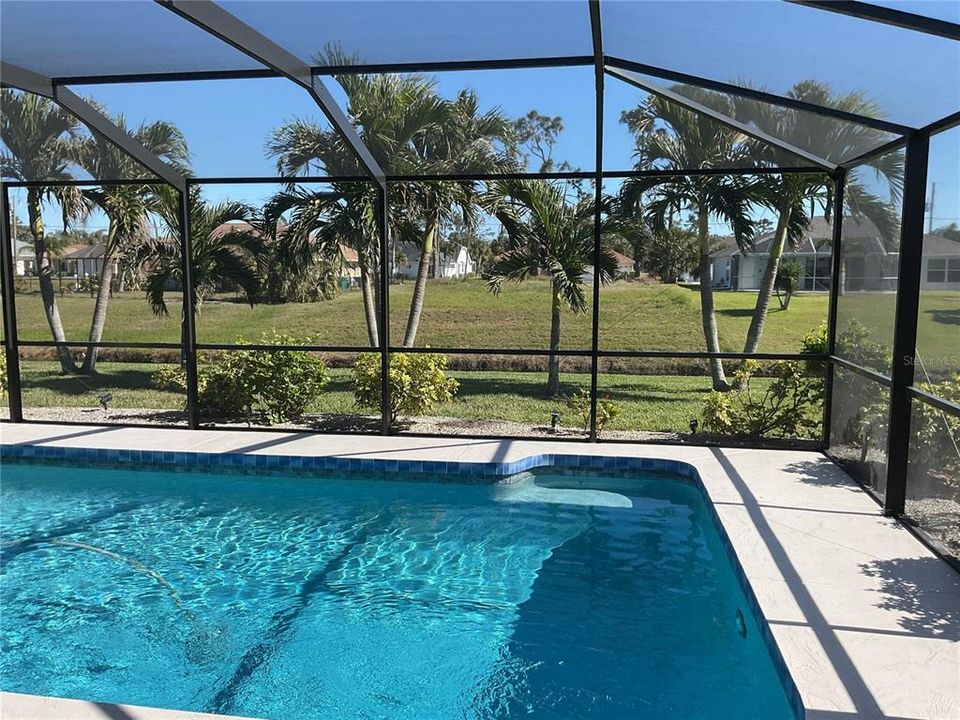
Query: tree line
column 293, row 247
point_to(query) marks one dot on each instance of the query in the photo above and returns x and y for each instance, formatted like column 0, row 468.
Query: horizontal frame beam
column 876, row 152
column 102, row 344
column 379, row 68
column 886, row 16
column 868, row 373
column 934, row 400
column 946, row 123
column 630, row 78
column 760, row 95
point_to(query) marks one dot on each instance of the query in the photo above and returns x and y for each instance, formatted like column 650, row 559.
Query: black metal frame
column 190, row 346
column 900, row 380
column 279, row 63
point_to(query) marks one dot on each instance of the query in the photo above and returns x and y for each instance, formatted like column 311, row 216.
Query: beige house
column 868, row 264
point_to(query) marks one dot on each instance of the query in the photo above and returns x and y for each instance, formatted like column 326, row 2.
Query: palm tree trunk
column 369, row 303
column 707, row 314
column 553, row 361
column 768, row 282
column 47, row 293
column 99, row 314
column 420, row 286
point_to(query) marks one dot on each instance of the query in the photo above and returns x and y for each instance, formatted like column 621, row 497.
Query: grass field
column 464, row 314
column 649, row 402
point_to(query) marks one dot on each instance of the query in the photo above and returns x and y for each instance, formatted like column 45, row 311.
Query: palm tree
column 321, row 224
column 219, row 253
column 465, row 141
column 409, row 129
column 669, row 136
column 547, row 236
column 126, row 206
column 790, row 196
column 390, row 111
column 39, row 139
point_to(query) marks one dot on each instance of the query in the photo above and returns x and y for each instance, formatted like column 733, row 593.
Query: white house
column 24, row 258
column 456, row 263
column 867, row 262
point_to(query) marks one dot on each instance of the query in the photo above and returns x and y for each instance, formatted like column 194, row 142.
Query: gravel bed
column 940, row 518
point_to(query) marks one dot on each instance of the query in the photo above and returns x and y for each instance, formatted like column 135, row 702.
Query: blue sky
column 227, row 122
column 914, row 76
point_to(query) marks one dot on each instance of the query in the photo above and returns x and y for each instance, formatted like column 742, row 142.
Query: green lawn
column 462, row 314
column 465, row 314
column 650, row 402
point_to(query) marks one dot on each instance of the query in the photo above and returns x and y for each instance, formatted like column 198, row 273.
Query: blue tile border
column 476, row 472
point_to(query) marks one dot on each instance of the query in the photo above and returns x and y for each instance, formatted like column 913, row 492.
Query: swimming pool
column 552, row 594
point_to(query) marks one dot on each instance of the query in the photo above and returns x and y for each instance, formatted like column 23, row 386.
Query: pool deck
column 867, row 618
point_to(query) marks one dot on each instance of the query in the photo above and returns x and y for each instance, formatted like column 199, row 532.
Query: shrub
column 784, row 408
column 418, row 382
column 937, row 434
column 170, row 378
column 279, row 385
column 607, row 410
column 815, row 343
column 3, row 374
column 855, row 344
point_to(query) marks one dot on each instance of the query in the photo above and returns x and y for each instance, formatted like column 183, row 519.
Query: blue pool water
column 556, row 596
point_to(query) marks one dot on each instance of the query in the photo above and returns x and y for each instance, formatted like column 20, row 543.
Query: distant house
column 24, row 259
column 941, row 263
column 867, row 262
column 455, row 263
column 349, row 267
column 81, row 261
column 624, row 268
column 349, row 271
column 624, row 264
column 73, row 261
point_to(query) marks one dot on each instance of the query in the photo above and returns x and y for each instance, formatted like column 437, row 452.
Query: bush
column 170, row 378
column 278, row 385
column 785, row 408
column 607, row 410
column 3, row 374
column 855, row 344
column 815, row 343
column 418, row 382
column 937, row 434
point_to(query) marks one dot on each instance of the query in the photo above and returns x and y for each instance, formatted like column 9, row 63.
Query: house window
column 943, row 270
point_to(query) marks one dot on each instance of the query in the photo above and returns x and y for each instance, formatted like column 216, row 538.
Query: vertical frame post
column 189, row 329
column 10, row 347
column 384, row 333
column 598, row 68
column 839, row 193
column 905, row 321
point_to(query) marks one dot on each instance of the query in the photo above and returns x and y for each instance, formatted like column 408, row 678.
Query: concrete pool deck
column 866, row 618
